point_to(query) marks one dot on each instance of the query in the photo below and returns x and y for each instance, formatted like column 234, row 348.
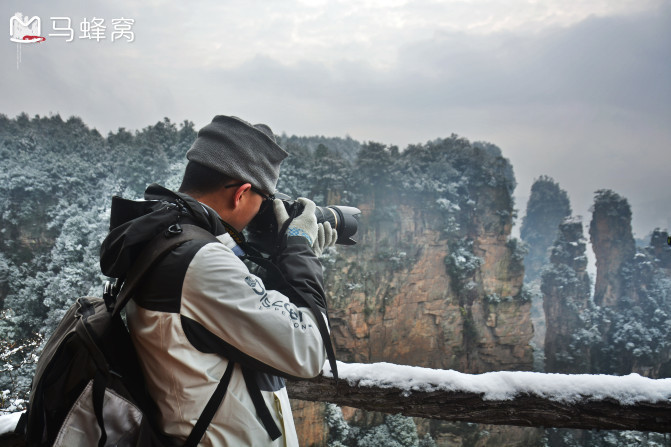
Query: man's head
column 232, row 167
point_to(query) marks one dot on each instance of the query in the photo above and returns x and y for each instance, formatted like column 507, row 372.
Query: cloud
column 610, row 64
column 588, row 104
column 578, row 90
column 420, row 56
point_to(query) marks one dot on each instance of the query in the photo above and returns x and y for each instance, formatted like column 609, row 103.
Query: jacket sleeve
column 302, row 269
column 220, row 295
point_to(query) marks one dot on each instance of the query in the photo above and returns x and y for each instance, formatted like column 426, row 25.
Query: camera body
column 262, row 230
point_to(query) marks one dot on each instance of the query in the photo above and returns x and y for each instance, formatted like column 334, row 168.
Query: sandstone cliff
column 633, row 289
column 566, row 297
column 434, row 280
column 613, row 245
column 626, row 326
column 547, row 206
column 399, row 296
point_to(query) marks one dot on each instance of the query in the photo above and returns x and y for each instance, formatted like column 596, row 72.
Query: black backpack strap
column 260, row 405
column 98, row 395
column 210, row 409
column 160, row 245
column 22, row 424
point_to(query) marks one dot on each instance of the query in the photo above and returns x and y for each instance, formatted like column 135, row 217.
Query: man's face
column 242, row 204
column 251, row 206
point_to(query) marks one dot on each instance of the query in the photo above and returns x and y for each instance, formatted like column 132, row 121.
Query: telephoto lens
column 345, row 219
column 263, row 228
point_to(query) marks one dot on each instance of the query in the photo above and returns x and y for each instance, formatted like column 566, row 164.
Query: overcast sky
column 578, row 90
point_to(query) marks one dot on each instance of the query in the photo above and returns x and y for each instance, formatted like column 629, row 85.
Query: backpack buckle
column 110, row 292
column 173, row 230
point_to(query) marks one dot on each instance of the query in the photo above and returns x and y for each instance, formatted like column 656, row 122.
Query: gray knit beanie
column 239, row 150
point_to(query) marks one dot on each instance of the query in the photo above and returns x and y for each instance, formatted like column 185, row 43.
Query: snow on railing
column 524, row 398
column 506, row 385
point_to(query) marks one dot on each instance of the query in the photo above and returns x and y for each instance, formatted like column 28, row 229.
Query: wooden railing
column 636, row 403
column 630, row 410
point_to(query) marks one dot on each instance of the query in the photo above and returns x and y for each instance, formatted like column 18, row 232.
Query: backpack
column 88, row 387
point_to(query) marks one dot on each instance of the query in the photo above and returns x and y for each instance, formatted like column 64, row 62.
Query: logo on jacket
column 254, row 284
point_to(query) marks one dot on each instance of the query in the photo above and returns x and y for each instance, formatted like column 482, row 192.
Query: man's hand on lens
column 305, row 224
column 326, row 237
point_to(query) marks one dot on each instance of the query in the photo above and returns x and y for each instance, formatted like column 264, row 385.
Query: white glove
column 326, row 237
column 305, row 224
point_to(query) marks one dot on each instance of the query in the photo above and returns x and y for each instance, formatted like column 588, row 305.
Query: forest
column 435, row 266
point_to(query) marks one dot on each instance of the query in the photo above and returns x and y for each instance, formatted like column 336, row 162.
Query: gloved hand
column 326, row 237
column 305, row 224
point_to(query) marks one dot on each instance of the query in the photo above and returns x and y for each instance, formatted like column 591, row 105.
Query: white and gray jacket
column 200, row 309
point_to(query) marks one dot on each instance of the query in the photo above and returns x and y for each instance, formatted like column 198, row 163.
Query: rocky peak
column 613, row 244
column 569, row 247
column 566, row 295
column 660, row 249
column 548, row 204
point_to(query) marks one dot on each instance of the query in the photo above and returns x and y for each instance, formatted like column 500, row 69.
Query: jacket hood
column 133, row 223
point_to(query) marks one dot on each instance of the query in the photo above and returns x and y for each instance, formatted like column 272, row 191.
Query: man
column 200, row 315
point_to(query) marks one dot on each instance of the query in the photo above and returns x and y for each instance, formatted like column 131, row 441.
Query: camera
column 262, row 230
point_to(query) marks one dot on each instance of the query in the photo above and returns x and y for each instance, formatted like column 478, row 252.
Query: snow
column 8, row 422
column 505, row 385
column 573, row 220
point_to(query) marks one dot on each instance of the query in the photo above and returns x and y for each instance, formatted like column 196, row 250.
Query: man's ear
column 237, row 197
